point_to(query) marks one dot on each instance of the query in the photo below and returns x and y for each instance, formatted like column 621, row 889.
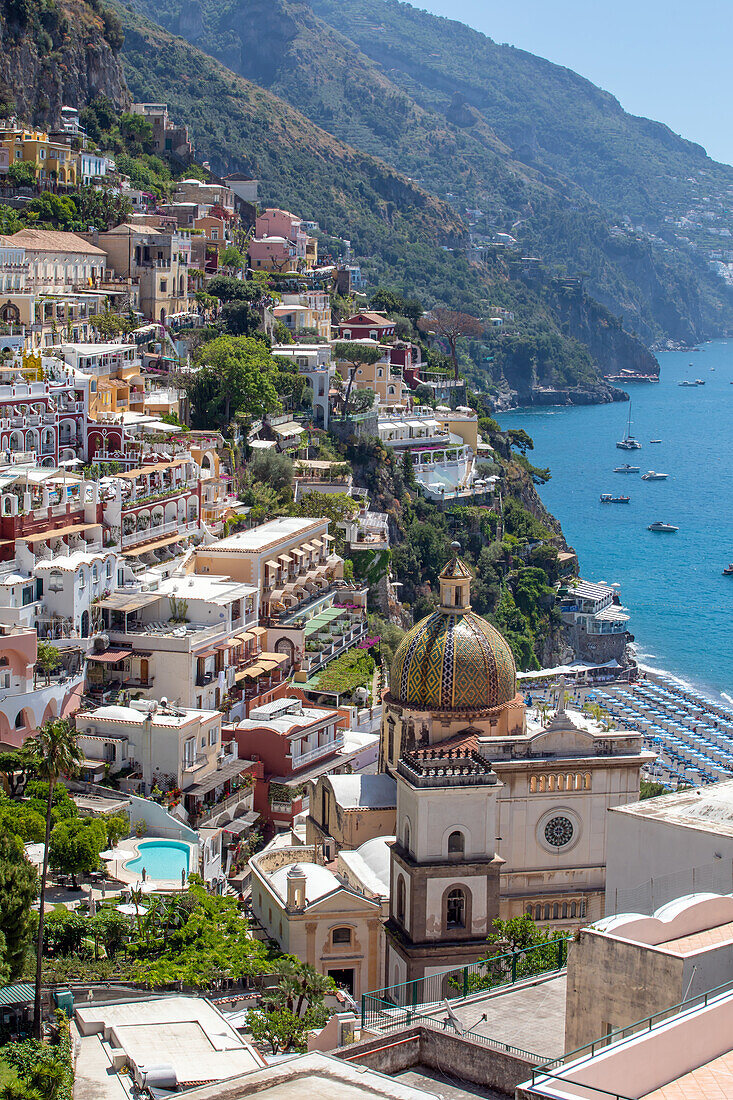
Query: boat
column 628, row 443
column 659, row 526
column 655, row 441
column 699, row 382
column 626, row 469
column 728, row 571
column 652, row 475
column 686, row 382
column 609, row 498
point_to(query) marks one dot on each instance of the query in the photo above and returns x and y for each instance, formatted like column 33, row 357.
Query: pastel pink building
column 281, row 223
column 23, row 707
column 272, row 254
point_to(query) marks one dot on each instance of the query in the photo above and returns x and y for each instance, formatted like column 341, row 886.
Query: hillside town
column 322, row 765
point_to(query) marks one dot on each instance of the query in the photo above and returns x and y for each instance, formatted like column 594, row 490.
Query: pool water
column 161, row 859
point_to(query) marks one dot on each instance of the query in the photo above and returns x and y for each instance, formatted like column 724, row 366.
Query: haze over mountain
column 514, row 143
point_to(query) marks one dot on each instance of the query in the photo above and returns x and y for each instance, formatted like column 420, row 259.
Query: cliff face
column 611, row 346
column 61, row 56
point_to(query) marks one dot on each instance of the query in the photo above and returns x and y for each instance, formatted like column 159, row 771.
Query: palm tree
column 54, row 752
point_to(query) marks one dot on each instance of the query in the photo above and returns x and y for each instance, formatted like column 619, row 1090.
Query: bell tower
column 444, row 870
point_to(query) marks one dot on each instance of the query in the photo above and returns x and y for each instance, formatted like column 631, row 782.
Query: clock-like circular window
column 559, row 831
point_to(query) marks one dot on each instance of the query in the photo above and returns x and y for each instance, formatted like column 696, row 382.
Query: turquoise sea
column 681, row 606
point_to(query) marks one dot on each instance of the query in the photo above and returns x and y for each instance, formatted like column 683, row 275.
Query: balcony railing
column 321, row 750
column 150, row 533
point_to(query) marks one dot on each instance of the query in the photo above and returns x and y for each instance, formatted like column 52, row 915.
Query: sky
column 664, row 59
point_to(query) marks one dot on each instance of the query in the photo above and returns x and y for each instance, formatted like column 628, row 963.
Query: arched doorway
column 85, row 624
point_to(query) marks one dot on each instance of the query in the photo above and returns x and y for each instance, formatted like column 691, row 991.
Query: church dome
column 453, row 659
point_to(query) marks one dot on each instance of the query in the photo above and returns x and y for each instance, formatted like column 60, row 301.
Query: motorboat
column 686, row 382
column 652, row 475
column 609, row 498
column 699, row 381
column 655, row 441
column 728, row 571
column 626, row 469
column 628, row 443
column 659, row 526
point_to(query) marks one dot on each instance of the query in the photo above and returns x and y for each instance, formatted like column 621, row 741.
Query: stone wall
column 452, row 1055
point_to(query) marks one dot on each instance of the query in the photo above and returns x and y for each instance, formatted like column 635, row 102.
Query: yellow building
column 51, row 160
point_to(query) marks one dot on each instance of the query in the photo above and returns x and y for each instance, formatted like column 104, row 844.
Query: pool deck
column 118, row 868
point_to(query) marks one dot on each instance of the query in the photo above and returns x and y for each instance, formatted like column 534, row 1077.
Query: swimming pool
column 161, row 859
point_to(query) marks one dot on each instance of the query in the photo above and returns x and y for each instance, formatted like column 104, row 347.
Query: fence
column 398, row 1006
column 543, row 1074
column 711, row 878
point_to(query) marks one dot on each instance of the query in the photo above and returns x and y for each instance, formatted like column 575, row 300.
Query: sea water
column 680, row 603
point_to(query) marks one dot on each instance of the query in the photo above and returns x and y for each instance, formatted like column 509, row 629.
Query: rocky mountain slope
column 535, row 149
column 57, row 53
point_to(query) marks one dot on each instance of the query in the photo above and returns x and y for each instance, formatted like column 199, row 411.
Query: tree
column 240, row 318
column 273, row 469
column 280, row 1027
column 18, row 891
column 356, row 355
column 236, row 376
column 48, row 659
column 55, row 753
column 22, row 174
column 451, row 325
column 76, row 844
column 17, row 767
column 233, row 257
column 363, row 400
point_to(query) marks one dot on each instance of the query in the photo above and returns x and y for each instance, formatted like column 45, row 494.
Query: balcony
column 203, row 679
column 149, row 534
column 326, row 749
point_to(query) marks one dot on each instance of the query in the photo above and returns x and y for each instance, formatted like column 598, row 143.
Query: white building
column 315, row 364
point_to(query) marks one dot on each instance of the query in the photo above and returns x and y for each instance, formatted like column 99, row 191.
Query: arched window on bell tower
column 400, row 900
column 456, row 844
column 456, row 909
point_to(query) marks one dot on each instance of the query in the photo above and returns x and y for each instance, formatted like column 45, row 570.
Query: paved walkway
column 531, row 1017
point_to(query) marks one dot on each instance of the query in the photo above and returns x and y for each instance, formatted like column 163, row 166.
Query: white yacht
column 628, row 443
column 626, row 469
column 652, row 475
column 659, row 526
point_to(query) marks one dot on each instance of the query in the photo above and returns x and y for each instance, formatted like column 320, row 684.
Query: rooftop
column 707, row 809
column 186, row 1035
column 267, row 535
column 371, row 792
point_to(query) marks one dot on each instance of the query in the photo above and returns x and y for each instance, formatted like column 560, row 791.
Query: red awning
column 110, row 656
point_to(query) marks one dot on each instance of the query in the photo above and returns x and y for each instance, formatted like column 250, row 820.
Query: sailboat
column 628, row 443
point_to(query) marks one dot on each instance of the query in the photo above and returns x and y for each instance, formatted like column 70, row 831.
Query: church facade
column 496, row 815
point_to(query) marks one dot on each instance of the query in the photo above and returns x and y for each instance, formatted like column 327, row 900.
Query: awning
column 276, row 658
column 298, row 552
column 287, row 429
column 110, row 656
column 328, row 538
column 241, row 823
column 124, row 602
column 272, row 565
column 258, row 631
column 158, row 544
column 154, row 467
column 277, row 595
column 221, row 775
column 284, row 557
column 223, row 646
column 310, row 546
column 59, row 533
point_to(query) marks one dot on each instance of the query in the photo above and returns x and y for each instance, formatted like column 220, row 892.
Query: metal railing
column 642, row 1026
column 398, row 1006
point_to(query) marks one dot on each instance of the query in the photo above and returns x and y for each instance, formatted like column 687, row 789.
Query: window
column 559, row 831
column 401, row 899
column 456, row 843
column 19, row 720
column 456, row 909
column 407, row 835
column 163, row 286
column 212, row 735
column 341, row 936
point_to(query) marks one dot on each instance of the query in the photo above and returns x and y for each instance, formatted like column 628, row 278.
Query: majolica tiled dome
column 453, row 659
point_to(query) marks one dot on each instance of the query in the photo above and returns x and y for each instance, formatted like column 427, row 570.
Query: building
column 629, row 966
column 156, row 745
column 26, row 704
column 158, row 260
column 311, row 614
column 206, row 195
column 315, row 364
column 345, row 811
column 682, row 1055
column 53, row 162
column 306, row 312
column 369, row 325
column 281, row 223
column 535, row 842
column 45, row 419
column 382, row 378
column 182, row 642
column 294, row 742
column 60, row 262
column 596, row 624
column 167, row 136
column 675, row 844
column 244, row 188
column 171, row 1042
column 272, row 254
column 312, row 914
